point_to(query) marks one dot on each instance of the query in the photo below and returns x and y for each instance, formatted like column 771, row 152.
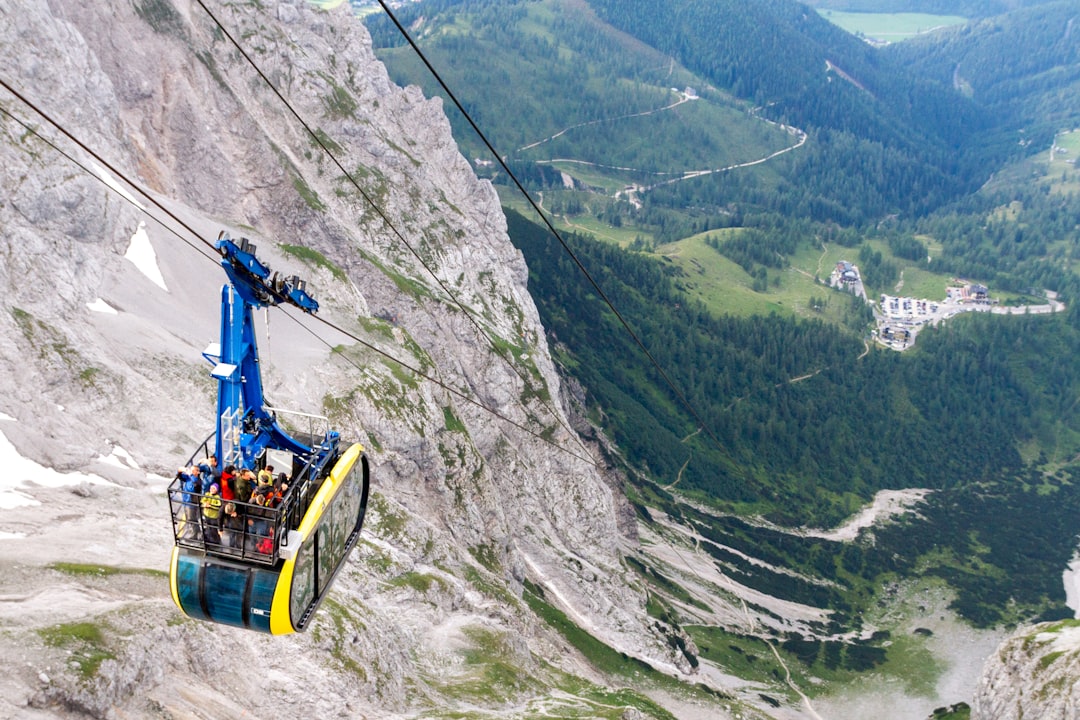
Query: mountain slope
column 1023, row 66
column 103, row 373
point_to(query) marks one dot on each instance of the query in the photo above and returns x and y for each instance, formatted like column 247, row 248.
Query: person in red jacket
column 228, row 483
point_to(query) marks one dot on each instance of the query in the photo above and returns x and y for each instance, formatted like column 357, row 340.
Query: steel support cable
column 686, row 404
column 547, row 222
column 153, row 201
column 455, row 392
column 105, row 163
column 388, row 222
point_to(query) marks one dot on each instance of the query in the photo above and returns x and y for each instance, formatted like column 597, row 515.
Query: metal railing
column 257, row 539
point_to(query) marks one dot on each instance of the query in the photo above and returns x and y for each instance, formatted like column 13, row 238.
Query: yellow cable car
column 275, row 592
column 265, row 559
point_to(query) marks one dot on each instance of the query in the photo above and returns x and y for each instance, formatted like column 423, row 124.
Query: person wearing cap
column 211, row 511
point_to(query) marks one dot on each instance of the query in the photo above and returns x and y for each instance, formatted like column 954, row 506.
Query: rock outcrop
column 1034, row 674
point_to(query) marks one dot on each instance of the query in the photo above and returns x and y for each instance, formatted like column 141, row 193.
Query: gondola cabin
column 265, row 556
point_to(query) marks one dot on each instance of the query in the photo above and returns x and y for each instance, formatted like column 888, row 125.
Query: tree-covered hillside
column 1023, row 66
column 886, row 140
column 556, row 86
column 967, row 8
column 794, row 413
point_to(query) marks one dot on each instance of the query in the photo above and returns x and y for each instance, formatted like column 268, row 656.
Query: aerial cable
column 150, row 199
column 547, row 222
column 108, row 166
column 453, row 391
column 386, row 220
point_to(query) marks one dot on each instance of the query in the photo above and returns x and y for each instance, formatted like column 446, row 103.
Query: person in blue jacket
column 190, row 489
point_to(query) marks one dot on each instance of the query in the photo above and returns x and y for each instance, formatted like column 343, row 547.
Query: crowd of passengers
column 231, row 508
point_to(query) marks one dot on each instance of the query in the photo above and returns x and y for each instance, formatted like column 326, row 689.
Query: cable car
column 269, row 563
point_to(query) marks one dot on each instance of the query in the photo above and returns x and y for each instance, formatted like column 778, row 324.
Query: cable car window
column 303, row 581
column 350, row 501
column 326, row 551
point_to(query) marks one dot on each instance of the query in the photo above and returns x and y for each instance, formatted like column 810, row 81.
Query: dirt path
column 683, row 97
column 689, row 174
column 678, row 477
column 699, row 173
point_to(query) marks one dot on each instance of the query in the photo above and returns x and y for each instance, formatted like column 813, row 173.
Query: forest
column 788, row 403
column 800, row 430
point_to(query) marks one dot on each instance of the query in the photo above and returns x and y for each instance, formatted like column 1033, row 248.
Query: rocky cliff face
column 1034, row 674
column 101, row 374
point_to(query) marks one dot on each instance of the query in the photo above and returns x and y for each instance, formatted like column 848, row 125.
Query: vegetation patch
column 85, row 642
column 493, row 671
column 88, row 570
column 161, row 16
column 453, row 423
column 339, row 105
column 599, row 654
column 959, row 711
column 345, row 625
column 661, row 582
column 308, row 194
column 389, row 523
column 313, row 257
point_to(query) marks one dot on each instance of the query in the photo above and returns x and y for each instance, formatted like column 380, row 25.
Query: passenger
column 258, row 519
column 266, row 476
column 215, row 469
column 228, row 484
column 232, row 526
column 245, row 484
column 191, row 487
column 266, row 544
column 211, row 511
column 281, row 486
column 206, row 475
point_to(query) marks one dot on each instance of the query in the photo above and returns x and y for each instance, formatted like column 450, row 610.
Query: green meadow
column 889, row 27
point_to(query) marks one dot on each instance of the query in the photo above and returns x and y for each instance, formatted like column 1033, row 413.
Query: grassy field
column 889, row 27
column 800, row 289
column 1062, row 171
column 725, row 288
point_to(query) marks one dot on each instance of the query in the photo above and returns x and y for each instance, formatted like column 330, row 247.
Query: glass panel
column 224, row 587
column 187, row 586
column 303, row 582
column 262, row 597
column 326, row 553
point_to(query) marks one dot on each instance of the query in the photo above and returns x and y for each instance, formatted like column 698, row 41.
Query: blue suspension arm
column 245, row 428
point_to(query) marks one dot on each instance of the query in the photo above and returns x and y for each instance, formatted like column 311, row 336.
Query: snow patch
column 118, row 187
column 1071, row 580
column 20, row 472
column 11, row 535
column 141, row 252
column 101, row 306
column 120, row 458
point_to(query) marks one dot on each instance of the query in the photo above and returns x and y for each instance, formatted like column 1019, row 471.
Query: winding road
column 684, row 97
